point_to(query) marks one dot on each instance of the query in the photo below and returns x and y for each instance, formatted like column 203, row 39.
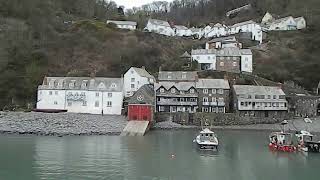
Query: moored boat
column 207, row 140
column 306, row 142
column 281, row 141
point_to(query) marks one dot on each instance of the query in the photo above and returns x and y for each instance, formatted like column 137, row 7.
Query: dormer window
column 71, row 84
column 173, row 90
column 191, row 91
column 113, row 85
column 162, row 90
column 184, row 76
column 84, row 84
column 51, row 83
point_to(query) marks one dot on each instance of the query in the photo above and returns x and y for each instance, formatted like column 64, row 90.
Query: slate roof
column 229, row 51
column 203, row 51
column 212, row 84
column 83, row 83
column 181, row 86
column 132, row 23
column 142, row 72
column 257, row 90
column 298, row 19
column 177, row 76
column 281, row 20
column 159, row 22
column 226, row 38
column 147, row 91
column 244, row 23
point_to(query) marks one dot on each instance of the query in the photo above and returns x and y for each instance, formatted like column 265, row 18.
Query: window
column 96, row 104
column 220, row 91
column 221, row 99
column 214, row 99
column 274, row 96
column 249, row 96
column 198, row 57
column 50, row 92
column 71, row 85
column 132, row 79
column 184, row 76
column 169, row 76
column 234, row 63
column 56, row 92
column 234, row 58
column 208, row 57
column 132, row 71
column 109, row 103
column 246, row 59
column 132, row 86
column 84, row 103
column 221, row 63
column 69, row 103
column 241, row 103
column 55, row 103
column 205, row 99
column 214, row 91
column 173, row 90
column 97, row 94
column 192, row 91
column 162, row 90
column 205, row 91
column 206, row 110
column 181, row 92
column 161, row 108
column 109, row 94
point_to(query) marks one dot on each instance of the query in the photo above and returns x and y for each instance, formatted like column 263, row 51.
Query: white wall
column 164, row 30
column 206, row 59
column 246, row 63
column 138, row 82
column 116, row 99
column 131, row 27
column 217, row 32
column 53, row 100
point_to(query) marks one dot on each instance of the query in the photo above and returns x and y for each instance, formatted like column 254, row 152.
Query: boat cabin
column 304, row 136
column 281, row 138
column 207, row 135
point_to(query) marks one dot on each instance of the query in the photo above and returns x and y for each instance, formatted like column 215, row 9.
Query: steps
column 135, row 128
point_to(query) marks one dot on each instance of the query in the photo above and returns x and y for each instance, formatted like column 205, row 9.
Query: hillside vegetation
column 69, row 38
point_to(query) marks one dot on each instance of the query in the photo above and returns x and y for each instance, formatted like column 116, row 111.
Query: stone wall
column 217, row 119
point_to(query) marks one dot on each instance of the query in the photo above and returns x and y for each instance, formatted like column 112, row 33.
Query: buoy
column 172, row 156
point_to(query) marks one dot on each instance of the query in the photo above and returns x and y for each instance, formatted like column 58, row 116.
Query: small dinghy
column 207, row 140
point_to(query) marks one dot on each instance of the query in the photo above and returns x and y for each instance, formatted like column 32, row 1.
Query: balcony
column 213, row 103
column 176, row 103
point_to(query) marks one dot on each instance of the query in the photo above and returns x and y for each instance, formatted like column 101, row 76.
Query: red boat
column 280, row 141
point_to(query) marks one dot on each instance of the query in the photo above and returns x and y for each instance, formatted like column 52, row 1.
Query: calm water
column 243, row 155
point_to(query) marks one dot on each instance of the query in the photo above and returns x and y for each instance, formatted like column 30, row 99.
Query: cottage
column 182, row 31
column 223, row 42
column 141, row 105
column 134, row 78
column 213, row 95
column 267, row 18
column 217, row 30
column 248, row 26
column 206, row 58
column 237, row 10
column 196, row 32
column 176, row 97
column 228, row 59
column 246, row 60
column 176, row 76
column 283, row 24
column 81, row 95
column 124, row 24
column 160, row 27
column 301, row 22
column 259, row 101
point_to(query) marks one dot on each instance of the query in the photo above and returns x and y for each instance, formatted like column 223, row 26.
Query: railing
column 178, row 103
column 213, row 103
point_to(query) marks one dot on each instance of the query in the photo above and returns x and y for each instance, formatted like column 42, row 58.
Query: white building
column 283, row 24
column 259, row 101
column 81, row 95
column 217, row 30
column 248, row 26
column 134, row 78
column 223, row 42
column 267, row 18
column 159, row 27
column 206, row 58
column 124, row 24
column 301, row 22
column 182, row 31
column 246, row 60
column 197, row 32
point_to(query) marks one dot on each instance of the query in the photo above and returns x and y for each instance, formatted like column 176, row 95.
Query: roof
column 244, row 23
column 193, row 29
column 181, row 86
column 226, row 38
column 83, row 83
column 179, row 27
column 159, row 22
column 229, row 51
column 281, row 20
column 245, row 51
column 142, row 72
column 218, row 25
column 258, row 90
column 132, row 23
column 206, row 131
column 185, row 55
column 147, row 91
column 177, row 75
column 212, row 84
column 203, row 51
column 299, row 18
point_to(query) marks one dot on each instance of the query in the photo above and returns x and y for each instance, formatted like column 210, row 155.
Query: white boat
column 207, row 140
column 306, row 142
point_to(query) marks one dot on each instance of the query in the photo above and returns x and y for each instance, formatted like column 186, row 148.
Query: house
column 124, row 24
column 248, row 26
column 259, row 101
column 301, row 22
column 223, row 42
column 182, row 31
column 237, row 10
column 176, row 97
column 141, row 106
column 186, row 58
column 81, row 94
column 267, row 18
column 176, row 76
column 228, row 59
column 283, row 24
column 196, row 32
column 246, row 60
column 134, row 78
column 213, row 95
column 217, row 30
column 160, row 27
column 206, row 58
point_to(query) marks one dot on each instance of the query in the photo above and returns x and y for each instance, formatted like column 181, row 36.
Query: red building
column 141, row 104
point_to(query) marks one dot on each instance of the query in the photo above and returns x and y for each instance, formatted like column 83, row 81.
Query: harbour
column 157, row 155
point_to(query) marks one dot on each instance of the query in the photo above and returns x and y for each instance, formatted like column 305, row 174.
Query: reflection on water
column 158, row 155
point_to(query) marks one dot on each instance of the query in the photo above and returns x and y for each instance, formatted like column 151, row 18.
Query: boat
column 306, row 142
column 207, row 140
column 281, row 141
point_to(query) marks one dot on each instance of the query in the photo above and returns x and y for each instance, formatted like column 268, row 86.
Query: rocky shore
column 60, row 124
